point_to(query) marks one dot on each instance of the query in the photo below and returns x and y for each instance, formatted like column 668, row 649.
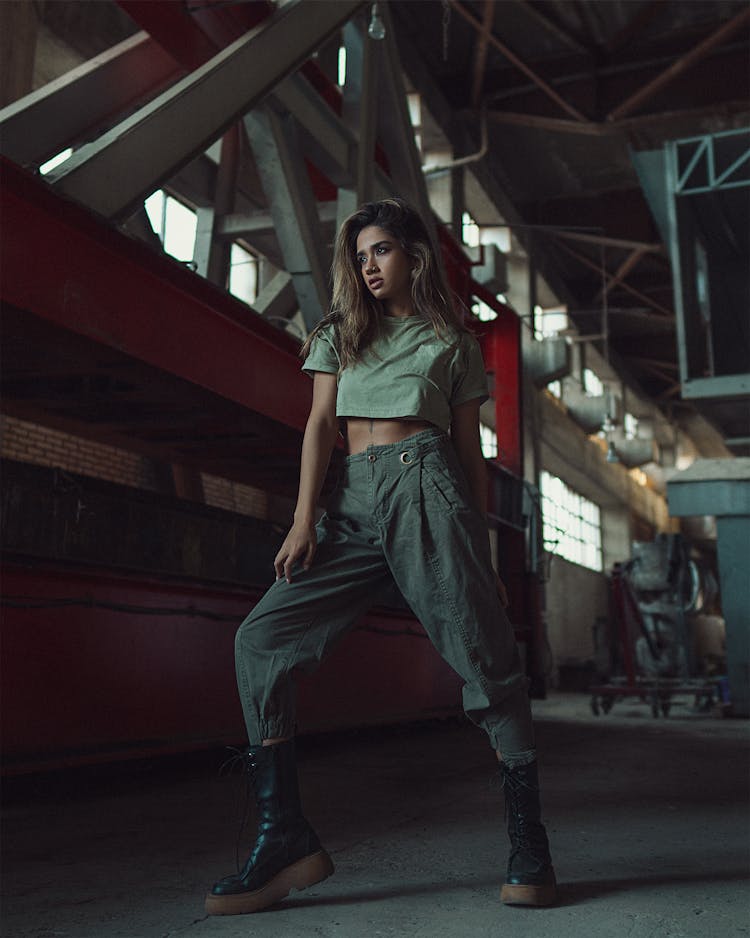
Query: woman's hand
column 501, row 590
column 299, row 544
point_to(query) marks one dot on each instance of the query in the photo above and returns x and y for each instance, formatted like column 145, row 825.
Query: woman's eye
column 381, row 250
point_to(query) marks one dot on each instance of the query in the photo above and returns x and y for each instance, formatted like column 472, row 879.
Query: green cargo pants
column 400, row 512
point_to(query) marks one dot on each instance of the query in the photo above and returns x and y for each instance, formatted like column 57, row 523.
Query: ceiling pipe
column 464, row 160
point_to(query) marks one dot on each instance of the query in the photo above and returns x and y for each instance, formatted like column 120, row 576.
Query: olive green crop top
column 408, row 372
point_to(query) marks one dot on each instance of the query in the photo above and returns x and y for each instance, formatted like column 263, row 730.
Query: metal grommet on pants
column 405, row 458
column 372, row 457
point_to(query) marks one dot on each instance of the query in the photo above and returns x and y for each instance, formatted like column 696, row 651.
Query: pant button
column 372, row 457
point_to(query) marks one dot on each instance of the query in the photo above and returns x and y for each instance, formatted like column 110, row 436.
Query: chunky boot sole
column 517, row 894
column 305, row 872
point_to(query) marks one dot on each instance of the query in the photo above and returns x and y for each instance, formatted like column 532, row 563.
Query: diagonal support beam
column 480, row 56
column 646, row 300
column 68, row 110
column 273, row 138
column 397, row 133
column 621, row 273
column 113, row 175
column 359, row 112
column 520, row 64
column 212, row 253
column 682, row 64
column 649, row 247
column 277, row 300
column 326, row 140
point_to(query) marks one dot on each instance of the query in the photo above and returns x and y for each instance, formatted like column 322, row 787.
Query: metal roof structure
column 555, row 104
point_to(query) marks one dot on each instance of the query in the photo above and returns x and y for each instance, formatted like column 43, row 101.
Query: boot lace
column 244, row 761
column 527, row 835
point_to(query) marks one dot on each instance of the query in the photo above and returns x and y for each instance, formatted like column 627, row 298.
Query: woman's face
column 385, row 266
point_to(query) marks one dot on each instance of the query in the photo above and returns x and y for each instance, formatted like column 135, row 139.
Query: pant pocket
column 441, row 486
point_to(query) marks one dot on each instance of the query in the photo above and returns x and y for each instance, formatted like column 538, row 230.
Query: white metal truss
column 273, row 137
column 114, row 174
column 71, row 109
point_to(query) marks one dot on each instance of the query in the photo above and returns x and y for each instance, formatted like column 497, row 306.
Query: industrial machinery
column 655, row 651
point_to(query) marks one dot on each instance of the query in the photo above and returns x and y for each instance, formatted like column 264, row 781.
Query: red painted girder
column 148, row 672
column 501, row 347
column 500, row 340
column 192, row 37
column 65, row 265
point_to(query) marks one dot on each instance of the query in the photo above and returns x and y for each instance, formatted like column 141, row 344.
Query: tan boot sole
column 513, row 894
column 305, row 872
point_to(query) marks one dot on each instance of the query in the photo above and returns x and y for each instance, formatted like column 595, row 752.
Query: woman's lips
column 375, row 283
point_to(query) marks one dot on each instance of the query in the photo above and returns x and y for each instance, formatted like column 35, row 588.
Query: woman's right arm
column 321, row 432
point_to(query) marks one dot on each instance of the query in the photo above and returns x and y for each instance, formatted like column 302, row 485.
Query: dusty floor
column 648, row 820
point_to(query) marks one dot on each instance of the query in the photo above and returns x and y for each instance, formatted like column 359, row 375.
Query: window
column 555, row 389
column 572, row 524
column 342, row 67
column 414, row 102
column 482, row 311
column 55, row 161
column 243, row 274
column 174, row 223
column 630, row 425
column 592, row 384
column 488, row 438
column 549, row 322
column 469, row 230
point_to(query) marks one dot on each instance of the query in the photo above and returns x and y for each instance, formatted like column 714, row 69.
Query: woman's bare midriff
column 361, row 432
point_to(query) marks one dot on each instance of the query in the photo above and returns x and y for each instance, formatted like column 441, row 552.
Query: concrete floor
column 648, row 821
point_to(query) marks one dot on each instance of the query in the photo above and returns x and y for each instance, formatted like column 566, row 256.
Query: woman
column 393, row 369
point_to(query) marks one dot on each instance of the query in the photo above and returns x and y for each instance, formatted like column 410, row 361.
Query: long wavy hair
column 355, row 313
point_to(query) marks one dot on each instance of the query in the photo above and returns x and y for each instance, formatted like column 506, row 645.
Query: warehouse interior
column 173, row 173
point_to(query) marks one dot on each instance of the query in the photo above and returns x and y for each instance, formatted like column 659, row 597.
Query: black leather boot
column 287, row 853
column 531, row 878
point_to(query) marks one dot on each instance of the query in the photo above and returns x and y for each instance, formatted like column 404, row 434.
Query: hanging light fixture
column 376, row 29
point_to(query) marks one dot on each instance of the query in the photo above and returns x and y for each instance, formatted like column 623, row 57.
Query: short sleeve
column 469, row 378
column 322, row 355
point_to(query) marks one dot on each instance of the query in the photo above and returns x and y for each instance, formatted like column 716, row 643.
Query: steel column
column 397, row 133
column 359, row 112
column 293, row 208
column 212, row 254
column 721, row 487
column 277, row 299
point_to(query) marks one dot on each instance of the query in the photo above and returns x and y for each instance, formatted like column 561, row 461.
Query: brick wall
column 30, row 442
column 42, row 446
column 247, row 500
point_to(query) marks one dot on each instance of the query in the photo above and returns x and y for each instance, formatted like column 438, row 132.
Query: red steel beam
column 682, row 64
column 63, row 264
column 192, row 36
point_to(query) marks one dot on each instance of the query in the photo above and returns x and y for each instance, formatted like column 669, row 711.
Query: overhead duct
column 594, row 413
column 547, row 360
column 492, row 269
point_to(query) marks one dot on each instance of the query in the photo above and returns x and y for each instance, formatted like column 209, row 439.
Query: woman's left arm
column 468, row 447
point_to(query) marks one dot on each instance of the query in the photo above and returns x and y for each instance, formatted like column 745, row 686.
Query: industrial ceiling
column 568, row 93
